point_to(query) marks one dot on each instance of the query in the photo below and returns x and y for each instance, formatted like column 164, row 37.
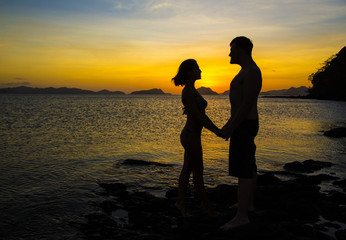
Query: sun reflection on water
column 56, row 146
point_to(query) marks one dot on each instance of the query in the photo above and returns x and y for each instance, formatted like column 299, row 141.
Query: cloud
column 161, row 5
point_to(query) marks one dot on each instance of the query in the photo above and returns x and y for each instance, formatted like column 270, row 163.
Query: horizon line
column 21, row 86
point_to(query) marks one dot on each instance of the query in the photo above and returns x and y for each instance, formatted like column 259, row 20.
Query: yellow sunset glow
column 131, row 45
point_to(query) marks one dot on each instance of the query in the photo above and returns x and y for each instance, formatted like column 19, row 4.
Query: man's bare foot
column 182, row 210
column 235, row 223
column 236, row 205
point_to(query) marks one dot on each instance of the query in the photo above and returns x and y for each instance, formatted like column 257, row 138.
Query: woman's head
column 186, row 68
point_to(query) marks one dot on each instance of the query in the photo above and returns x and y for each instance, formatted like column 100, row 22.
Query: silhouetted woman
column 194, row 108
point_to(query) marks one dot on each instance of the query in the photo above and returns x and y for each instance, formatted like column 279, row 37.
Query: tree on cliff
column 329, row 82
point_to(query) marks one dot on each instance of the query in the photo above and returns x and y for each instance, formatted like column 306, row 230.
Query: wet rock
column 99, row 226
column 283, row 210
column 115, row 189
column 135, row 162
column 341, row 184
column 110, row 206
column 268, row 179
column 341, row 234
column 307, row 166
column 315, row 179
column 223, row 193
column 336, row 132
column 172, row 193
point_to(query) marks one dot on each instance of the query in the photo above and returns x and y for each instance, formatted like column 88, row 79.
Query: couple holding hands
column 241, row 129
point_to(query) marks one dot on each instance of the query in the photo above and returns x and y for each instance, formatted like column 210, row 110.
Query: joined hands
column 220, row 133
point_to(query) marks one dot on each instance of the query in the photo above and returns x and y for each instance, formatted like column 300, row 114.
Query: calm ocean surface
column 54, row 149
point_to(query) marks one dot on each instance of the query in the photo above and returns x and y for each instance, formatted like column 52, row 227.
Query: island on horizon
column 51, row 90
column 154, row 91
column 291, row 92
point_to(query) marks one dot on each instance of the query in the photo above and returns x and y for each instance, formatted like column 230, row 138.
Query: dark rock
column 323, row 177
column 332, row 211
column 172, row 193
column 283, row 210
column 308, row 166
column 115, row 189
column 337, row 197
column 341, row 234
column 341, row 184
column 144, row 201
column 268, row 179
column 294, row 166
column 223, row 193
column 305, row 232
column 109, row 206
column 134, row 162
column 336, row 132
column 331, row 225
column 99, row 226
column 315, row 179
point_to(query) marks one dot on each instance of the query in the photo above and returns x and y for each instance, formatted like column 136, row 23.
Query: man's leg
column 245, row 196
column 251, row 206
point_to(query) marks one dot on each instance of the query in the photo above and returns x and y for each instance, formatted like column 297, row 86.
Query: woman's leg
column 196, row 157
column 183, row 183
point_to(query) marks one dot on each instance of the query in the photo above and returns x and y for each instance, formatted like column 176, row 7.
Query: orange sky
column 134, row 45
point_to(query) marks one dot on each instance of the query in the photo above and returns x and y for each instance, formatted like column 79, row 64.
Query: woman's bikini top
column 200, row 102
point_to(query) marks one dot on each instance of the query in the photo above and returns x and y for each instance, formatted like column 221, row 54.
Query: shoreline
column 285, row 209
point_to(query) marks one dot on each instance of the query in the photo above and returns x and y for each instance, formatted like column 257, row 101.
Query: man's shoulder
column 253, row 68
column 253, row 71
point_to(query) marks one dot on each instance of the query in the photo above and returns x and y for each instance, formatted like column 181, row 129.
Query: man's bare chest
column 237, row 82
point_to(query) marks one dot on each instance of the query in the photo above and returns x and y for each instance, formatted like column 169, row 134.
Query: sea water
column 55, row 149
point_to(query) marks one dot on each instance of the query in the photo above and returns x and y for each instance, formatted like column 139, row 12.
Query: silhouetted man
column 242, row 128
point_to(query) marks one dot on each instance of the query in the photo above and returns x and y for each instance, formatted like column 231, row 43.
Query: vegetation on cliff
column 329, row 82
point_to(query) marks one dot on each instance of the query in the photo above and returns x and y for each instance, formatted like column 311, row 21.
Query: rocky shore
column 294, row 208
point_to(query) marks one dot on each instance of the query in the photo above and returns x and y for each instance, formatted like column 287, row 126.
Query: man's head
column 240, row 46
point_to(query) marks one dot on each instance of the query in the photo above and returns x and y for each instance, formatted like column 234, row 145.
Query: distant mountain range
column 291, row 92
column 294, row 92
column 51, row 90
column 64, row 90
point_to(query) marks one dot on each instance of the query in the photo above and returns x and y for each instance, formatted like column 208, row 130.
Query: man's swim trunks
column 242, row 160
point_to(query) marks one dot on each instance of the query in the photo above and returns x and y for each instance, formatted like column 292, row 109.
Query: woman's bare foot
column 235, row 223
column 236, row 205
column 210, row 210
column 213, row 214
column 181, row 208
